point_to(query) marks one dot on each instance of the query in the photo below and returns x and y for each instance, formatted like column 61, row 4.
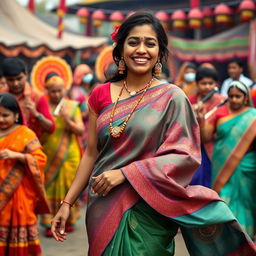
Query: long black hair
column 139, row 19
column 9, row 102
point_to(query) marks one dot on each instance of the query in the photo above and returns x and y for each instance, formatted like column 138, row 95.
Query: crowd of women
column 134, row 143
column 40, row 152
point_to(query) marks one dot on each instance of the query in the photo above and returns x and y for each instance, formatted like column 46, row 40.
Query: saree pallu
column 63, row 151
column 22, row 194
column 158, row 153
column 234, row 167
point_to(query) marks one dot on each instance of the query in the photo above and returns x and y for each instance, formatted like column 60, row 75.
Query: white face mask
column 190, row 77
column 88, row 78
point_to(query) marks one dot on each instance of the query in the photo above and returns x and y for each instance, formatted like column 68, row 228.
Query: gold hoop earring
column 121, row 66
column 158, row 68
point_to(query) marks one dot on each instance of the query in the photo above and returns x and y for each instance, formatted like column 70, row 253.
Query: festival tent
column 22, row 33
column 216, row 49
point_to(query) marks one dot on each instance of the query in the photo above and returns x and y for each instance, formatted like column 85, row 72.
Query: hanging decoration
column 163, row 17
column 223, row 15
column 195, row 17
column 105, row 63
column 208, row 18
column 117, row 18
column 179, row 20
column 98, row 17
column 31, row 6
column 83, row 14
column 246, row 10
column 61, row 13
column 50, row 64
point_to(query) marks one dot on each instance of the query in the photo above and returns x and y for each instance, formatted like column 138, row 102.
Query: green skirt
column 143, row 232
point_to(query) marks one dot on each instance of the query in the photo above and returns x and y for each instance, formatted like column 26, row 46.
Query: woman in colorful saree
column 234, row 155
column 22, row 193
column 143, row 148
column 62, row 149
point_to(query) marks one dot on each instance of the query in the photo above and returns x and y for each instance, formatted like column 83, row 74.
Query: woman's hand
column 59, row 223
column 9, row 154
column 200, row 112
column 106, row 181
column 31, row 106
column 64, row 113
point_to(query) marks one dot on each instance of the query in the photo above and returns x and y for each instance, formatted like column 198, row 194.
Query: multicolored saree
column 22, row 194
column 63, row 151
column 234, row 167
column 158, row 153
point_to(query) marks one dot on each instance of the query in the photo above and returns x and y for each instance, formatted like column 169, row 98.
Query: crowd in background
column 43, row 136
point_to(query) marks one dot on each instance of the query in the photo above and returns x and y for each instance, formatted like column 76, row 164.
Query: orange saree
column 22, row 194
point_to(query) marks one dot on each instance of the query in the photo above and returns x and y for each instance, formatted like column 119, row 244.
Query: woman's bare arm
column 79, row 183
column 86, row 164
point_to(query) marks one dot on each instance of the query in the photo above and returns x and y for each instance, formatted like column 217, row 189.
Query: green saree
column 234, row 167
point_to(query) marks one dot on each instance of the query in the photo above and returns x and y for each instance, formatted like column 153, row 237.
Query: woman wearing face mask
column 83, row 81
column 186, row 79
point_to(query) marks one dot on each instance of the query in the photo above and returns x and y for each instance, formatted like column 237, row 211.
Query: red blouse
column 100, row 98
column 220, row 113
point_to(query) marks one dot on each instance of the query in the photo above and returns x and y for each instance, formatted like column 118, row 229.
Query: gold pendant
column 116, row 130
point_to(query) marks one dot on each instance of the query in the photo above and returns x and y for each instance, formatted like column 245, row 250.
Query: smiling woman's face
column 141, row 50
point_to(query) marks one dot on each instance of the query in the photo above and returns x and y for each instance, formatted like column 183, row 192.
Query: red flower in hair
column 114, row 34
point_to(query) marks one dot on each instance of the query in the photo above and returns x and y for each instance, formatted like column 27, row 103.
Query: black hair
column 1, row 73
column 191, row 65
column 9, row 102
column 237, row 61
column 13, row 67
column 202, row 73
column 139, row 19
column 52, row 74
column 93, row 81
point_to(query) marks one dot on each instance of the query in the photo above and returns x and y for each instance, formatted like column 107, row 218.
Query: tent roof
column 19, row 27
column 131, row 5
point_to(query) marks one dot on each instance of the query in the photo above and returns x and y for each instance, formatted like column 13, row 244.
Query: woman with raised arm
column 143, row 148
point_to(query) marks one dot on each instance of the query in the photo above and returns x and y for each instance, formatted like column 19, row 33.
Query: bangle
column 66, row 202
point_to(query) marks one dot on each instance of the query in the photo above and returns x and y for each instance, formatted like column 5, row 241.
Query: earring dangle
column 121, row 66
column 17, row 119
column 158, row 68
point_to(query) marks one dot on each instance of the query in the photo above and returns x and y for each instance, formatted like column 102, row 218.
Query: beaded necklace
column 116, row 131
